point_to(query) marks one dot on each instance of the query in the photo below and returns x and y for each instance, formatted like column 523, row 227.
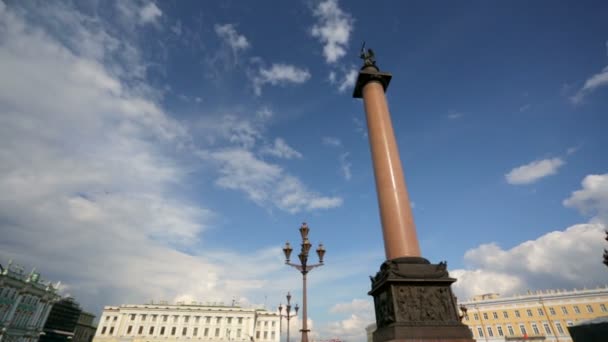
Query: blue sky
column 167, row 150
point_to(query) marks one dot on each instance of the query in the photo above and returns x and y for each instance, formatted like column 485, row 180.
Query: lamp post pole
column 304, row 268
column 288, row 315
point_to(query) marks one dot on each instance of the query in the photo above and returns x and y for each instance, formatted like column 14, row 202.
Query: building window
column 238, row 332
column 265, row 335
column 132, row 317
column 589, row 308
column 522, row 328
column 111, row 330
column 241, row 318
column 576, row 309
column 569, row 323
column 485, row 315
column 499, row 329
column 257, row 334
column 103, row 330
column 229, row 319
column 272, row 335
column 186, row 319
column 107, row 318
column 535, row 329
column 151, row 331
column 153, row 318
column 266, row 323
column 207, row 319
column 175, row 318
column 197, row 319
column 140, row 330
column 559, row 328
column 480, row 332
column 495, row 315
column 552, row 311
column 529, row 313
column 195, row 332
column 165, row 318
column 603, row 307
column 217, row 332
column 218, row 320
column 206, row 332
column 476, row 316
column 505, row 314
column 115, row 318
column 547, row 328
column 184, row 331
column 540, row 312
column 129, row 329
column 564, row 310
column 517, row 313
column 173, row 331
column 162, row 330
column 143, row 318
column 490, row 332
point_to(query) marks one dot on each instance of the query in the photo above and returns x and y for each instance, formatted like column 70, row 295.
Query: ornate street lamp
column 288, row 315
column 304, row 268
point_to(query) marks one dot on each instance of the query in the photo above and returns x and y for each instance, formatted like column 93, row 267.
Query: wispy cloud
column 533, row 171
column 346, row 82
column 333, row 28
column 360, row 127
column 280, row 149
column 229, row 36
column 279, row 74
column 453, row 115
column 594, row 82
column 331, row 141
column 345, row 166
column 149, row 13
column 266, row 183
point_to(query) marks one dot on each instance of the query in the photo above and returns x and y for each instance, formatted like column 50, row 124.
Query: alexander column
column 412, row 297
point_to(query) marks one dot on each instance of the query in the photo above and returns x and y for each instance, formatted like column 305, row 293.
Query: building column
column 11, row 313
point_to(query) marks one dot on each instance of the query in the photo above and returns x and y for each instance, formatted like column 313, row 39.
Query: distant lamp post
column 304, row 268
column 288, row 315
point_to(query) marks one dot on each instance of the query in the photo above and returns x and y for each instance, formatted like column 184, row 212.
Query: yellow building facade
column 535, row 316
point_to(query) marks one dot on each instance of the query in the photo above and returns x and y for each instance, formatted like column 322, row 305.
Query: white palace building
column 186, row 322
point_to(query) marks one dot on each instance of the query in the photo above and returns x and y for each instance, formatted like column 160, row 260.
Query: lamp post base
column 414, row 303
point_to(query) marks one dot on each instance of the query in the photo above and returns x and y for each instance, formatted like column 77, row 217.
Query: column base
column 414, row 303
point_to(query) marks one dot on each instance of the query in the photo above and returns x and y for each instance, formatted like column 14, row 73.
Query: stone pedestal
column 414, row 302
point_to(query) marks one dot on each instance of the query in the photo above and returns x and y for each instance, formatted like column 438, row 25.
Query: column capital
column 369, row 74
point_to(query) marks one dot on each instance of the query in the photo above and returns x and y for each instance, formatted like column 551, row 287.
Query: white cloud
column 333, row 28
column 352, row 328
column 332, row 141
column 559, row 259
column 177, row 28
column 265, row 183
column 592, row 198
column 534, row 171
column 94, row 168
column 452, row 115
column 591, row 84
column 345, row 166
column 232, row 38
column 356, row 305
column 279, row 74
column 280, row 149
column 360, row 127
column 347, row 81
column 149, row 13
